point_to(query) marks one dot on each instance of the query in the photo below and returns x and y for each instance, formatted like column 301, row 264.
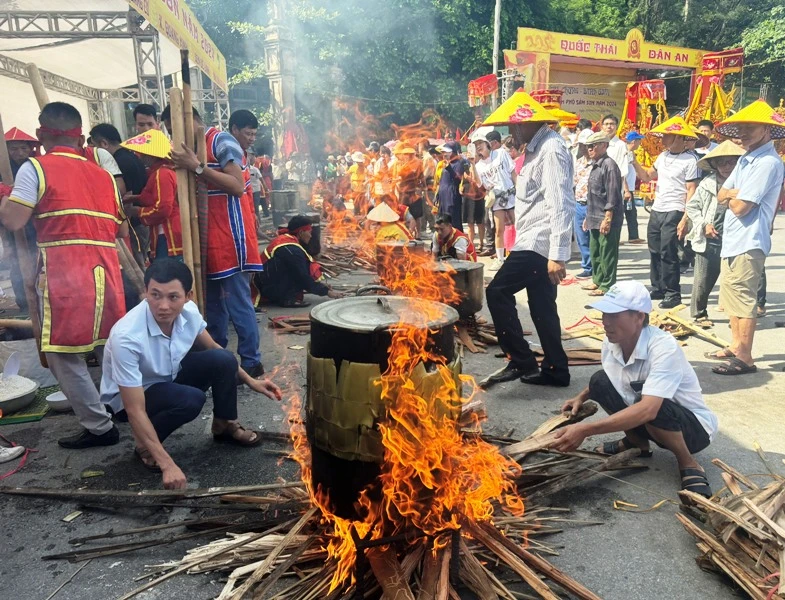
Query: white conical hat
column 383, row 214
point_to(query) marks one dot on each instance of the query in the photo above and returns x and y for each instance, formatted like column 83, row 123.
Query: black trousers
column 631, row 215
column 707, row 272
column 169, row 406
column 670, row 417
column 529, row 270
column 664, row 250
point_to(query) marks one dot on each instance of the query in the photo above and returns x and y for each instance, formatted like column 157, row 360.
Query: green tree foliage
column 766, row 42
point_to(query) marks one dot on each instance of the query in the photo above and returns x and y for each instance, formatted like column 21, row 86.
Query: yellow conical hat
column 152, row 142
column 520, row 108
column 757, row 112
column 382, row 214
column 673, row 126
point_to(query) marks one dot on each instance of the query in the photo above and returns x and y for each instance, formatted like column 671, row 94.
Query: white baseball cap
column 625, row 295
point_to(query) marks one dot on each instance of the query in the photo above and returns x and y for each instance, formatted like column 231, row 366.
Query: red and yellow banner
column 177, row 23
column 631, row 49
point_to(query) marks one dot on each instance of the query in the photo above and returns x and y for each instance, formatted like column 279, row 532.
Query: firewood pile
column 336, row 260
column 741, row 531
column 274, row 542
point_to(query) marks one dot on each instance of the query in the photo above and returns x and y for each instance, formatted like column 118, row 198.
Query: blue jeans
column 582, row 237
column 230, row 298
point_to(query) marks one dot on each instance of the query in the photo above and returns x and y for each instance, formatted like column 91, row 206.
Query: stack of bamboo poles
column 273, row 541
column 191, row 196
column 742, row 533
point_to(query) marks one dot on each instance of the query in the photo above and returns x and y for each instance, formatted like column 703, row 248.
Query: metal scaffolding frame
column 75, row 25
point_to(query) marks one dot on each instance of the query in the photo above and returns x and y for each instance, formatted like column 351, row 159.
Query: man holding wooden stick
column 232, row 245
column 78, row 214
column 648, row 388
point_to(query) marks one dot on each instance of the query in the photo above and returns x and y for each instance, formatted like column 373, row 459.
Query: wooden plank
column 388, row 573
column 545, row 435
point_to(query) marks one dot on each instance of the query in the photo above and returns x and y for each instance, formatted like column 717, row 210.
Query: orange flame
column 432, row 477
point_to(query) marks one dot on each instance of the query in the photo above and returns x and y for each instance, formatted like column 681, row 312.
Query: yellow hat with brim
column 152, row 143
column 726, row 148
column 673, row 126
column 382, row 214
column 401, row 148
column 756, row 113
column 520, row 108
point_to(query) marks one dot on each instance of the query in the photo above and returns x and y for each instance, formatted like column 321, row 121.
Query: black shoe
column 670, row 302
column 510, row 373
column 654, row 295
column 543, row 379
column 256, row 371
column 85, row 439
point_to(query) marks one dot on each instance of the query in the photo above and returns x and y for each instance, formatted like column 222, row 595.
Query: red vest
column 446, row 247
column 161, row 209
column 287, row 239
column 232, row 245
column 76, row 222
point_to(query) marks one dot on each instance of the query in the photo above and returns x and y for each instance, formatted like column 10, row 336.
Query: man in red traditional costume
column 78, row 214
column 289, row 270
column 232, row 245
column 448, row 242
column 21, row 146
column 156, row 206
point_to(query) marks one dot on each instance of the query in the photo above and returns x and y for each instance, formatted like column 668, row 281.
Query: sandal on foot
column 734, row 366
column 694, row 480
column 227, row 435
column 590, row 287
column 147, row 460
column 597, row 292
column 620, row 446
column 726, row 354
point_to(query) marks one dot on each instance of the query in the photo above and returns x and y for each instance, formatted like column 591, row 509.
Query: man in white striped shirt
column 544, row 212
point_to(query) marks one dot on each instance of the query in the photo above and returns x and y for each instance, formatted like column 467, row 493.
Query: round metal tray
column 375, row 313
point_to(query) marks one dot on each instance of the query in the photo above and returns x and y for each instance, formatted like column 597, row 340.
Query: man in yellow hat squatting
column 676, row 172
column 751, row 193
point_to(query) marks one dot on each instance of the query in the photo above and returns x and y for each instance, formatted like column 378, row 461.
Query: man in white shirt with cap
column 648, row 388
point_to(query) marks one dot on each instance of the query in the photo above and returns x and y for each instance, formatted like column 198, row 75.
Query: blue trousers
column 230, row 299
column 582, row 237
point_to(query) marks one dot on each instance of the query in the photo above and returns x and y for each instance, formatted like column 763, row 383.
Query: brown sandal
column 597, row 292
column 147, row 460
column 228, row 436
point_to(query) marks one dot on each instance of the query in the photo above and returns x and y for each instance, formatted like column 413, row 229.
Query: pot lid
column 366, row 314
column 451, row 264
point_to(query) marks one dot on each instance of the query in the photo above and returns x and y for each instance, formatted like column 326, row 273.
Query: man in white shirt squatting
column 158, row 363
column 648, row 388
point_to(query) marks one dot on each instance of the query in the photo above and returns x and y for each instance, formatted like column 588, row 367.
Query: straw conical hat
column 402, row 148
column 17, row 135
column 520, row 108
column 673, row 126
column 152, row 142
column 726, row 148
column 383, row 214
column 757, row 112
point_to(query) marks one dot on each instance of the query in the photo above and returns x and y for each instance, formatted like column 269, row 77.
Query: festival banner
column 176, row 22
column 631, row 49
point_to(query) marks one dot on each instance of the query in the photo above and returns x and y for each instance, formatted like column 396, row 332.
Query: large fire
column 432, row 477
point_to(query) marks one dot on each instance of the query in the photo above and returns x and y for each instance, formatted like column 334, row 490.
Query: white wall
column 19, row 108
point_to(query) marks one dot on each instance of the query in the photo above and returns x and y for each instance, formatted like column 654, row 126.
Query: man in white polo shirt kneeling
column 648, row 388
column 158, row 363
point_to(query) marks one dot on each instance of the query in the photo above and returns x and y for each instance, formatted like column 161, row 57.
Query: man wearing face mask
column 676, row 172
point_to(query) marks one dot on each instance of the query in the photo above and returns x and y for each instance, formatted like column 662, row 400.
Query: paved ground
column 632, row 556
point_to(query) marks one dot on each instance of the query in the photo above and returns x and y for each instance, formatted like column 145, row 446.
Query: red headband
column 299, row 229
column 76, row 132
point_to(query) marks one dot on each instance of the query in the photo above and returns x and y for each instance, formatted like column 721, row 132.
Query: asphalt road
column 632, row 556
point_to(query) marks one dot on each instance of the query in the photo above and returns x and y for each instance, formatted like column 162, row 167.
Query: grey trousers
column 707, row 272
column 72, row 374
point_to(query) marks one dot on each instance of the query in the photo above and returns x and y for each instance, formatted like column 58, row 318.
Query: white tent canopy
column 96, row 64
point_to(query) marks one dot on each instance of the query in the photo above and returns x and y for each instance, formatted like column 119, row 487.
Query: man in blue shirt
column 158, row 363
column 752, row 194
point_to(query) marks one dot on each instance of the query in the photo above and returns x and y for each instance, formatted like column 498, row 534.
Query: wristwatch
column 200, row 169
